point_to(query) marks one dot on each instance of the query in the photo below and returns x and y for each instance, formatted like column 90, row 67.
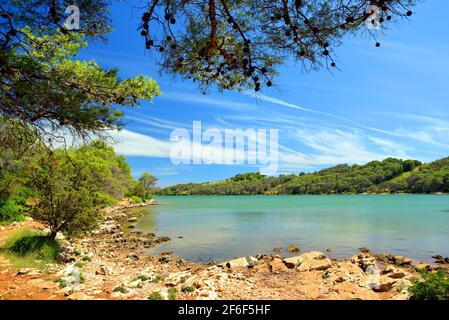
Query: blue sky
column 387, row 101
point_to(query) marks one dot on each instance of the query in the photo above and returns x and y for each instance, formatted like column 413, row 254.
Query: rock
column 446, row 259
column 79, row 296
column 438, row 257
column 59, row 236
column 394, row 273
column 383, row 284
column 310, row 265
column 175, row 278
column 277, row 250
column 364, row 250
column 293, row 248
column 277, row 265
column 422, row 266
column 134, row 284
column 401, row 261
column 238, row 263
column 313, row 255
column 104, row 270
column 132, row 219
column 293, row 262
column 252, row 261
column 364, row 260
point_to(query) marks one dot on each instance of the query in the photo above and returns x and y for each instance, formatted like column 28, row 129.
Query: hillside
column 388, row 176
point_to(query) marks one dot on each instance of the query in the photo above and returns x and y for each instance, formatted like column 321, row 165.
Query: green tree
column 63, row 198
column 147, row 180
column 241, row 44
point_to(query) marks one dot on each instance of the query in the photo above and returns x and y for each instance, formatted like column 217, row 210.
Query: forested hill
column 387, row 176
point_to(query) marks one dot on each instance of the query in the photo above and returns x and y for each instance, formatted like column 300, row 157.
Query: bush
column 187, row 289
column 155, row 296
column 105, row 200
column 136, row 199
column 172, row 292
column 29, row 248
column 121, row 289
column 433, row 286
column 15, row 207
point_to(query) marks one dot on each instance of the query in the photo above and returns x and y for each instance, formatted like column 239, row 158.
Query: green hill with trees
column 388, row 176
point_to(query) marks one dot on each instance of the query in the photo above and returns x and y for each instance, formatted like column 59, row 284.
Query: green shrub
column 121, row 289
column 62, row 283
column 25, row 247
column 157, row 278
column 77, row 251
column 15, row 207
column 155, row 296
column 105, row 200
column 172, row 292
column 187, row 289
column 87, row 258
column 433, row 286
column 79, row 265
column 136, row 199
column 141, row 277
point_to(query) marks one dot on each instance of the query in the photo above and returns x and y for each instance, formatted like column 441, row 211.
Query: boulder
column 293, row 262
column 293, row 248
column 104, row 270
column 134, row 284
column 364, row 260
column 394, row 273
column 402, row 261
column 79, row 296
column 252, row 261
column 175, row 278
column 311, row 264
column 383, row 284
column 238, row 263
column 313, row 255
column 422, row 266
column 132, row 219
column 277, row 265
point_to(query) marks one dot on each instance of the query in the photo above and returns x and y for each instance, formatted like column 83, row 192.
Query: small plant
column 82, row 278
column 62, row 283
column 155, row 296
column 79, row 265
column 141, row 277
column 172, row 292
column 325, row 276
column 136, row 199
column 157, row 278
column 187, row 289
column 77, row 252
column 87, row 258
column 121, row 289
column 433, row 286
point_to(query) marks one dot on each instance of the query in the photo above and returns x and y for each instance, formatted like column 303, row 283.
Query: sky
column 391, row 101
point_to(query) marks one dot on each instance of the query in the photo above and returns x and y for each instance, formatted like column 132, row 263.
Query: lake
column 223, row 227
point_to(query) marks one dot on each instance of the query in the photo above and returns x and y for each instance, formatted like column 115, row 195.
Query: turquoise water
column 222, row 227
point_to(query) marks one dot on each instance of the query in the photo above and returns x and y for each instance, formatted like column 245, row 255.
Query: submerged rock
column 293, row 248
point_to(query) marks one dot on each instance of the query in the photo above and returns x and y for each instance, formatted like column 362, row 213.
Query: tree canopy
column 241, row 44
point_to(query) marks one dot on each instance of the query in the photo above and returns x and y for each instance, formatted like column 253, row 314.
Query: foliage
column 433, row 286
column 45, row 89
column 29, row 248
column 155, row 296
column 121, row 289
column 136, row 199
column 63, row 197
column 187, row 289
column 389, row 176
column 172, row 292
column 241, row 44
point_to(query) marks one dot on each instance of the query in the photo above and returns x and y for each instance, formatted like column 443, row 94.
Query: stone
column 313, row 255
column 402, row 261
column 132, row 219
column 383, row 284
column 364, row 260
column 293, row 262
column 238, row 263
column 175, row 278
column 310, row 265
column 79, row 296
column 277, row 265
column 135, row 283
column 394, row 273
column 293, row 248
column 252, row 261
column 104, row 270
column 422, row 266
column 59, row 236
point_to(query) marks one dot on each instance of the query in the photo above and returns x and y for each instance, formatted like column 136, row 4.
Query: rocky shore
column 110, row 263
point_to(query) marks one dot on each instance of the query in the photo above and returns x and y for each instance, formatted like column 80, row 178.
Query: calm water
column 223, row 227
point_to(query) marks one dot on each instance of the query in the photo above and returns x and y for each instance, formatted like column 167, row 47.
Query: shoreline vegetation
column 390, row 176
column 110, row 262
